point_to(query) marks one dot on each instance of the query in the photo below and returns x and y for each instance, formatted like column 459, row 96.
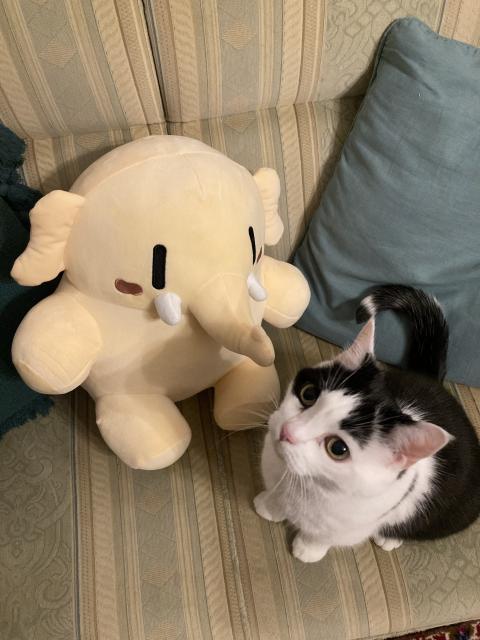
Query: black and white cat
column 355, row 451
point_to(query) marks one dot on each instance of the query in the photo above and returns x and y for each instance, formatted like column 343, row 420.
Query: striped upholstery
column 76, row 79
column 90, row 549
column 284, row 52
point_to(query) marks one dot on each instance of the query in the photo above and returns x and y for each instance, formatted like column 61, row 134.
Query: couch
column 91, row 549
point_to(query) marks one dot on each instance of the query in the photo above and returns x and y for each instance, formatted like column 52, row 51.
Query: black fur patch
column 390, row 416
column 362, row 379
column 337, row 376
column 361, row 382
column 360, row 423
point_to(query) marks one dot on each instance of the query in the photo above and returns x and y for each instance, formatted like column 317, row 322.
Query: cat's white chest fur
column 336, row 516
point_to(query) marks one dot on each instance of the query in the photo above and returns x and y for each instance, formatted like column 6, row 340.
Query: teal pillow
column 403, row 205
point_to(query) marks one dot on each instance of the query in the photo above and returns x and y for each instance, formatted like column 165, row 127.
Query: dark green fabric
column 17, row 402
column 403, row 205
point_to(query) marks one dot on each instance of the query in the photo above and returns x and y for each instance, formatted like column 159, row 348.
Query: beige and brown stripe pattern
column 76, row 79
column 85, row 75
column 55, row 163
column 461, row 20
column 243, row 56
column 180, row 553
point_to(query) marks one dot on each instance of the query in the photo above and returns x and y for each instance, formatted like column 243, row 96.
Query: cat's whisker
column 336, row 378
column 242, row 428
column 259, row 414
column 347, row 378
column 273, row 399
column 246, row 426
column 329, row 384
column 282, row 478
column 292, row 486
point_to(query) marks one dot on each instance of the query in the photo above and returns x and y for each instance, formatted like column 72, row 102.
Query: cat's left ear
column 419, row 440
column 363, row 345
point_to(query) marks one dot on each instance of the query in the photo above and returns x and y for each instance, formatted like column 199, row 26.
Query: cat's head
column 340, row 425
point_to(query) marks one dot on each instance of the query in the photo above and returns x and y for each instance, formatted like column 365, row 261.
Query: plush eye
column 251, row 235
column 336, row 448
column 158, row 266
column 308, row 394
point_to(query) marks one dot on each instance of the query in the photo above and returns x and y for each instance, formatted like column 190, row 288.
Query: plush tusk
column 255, row 289
column 169, row 307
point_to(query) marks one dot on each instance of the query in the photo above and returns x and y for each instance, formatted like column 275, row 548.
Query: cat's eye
column 336, row 448
column 308, row 394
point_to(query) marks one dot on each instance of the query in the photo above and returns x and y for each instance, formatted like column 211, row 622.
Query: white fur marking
column 264, row 509
column 369, row 306
column 387, row 544
column 308, row 551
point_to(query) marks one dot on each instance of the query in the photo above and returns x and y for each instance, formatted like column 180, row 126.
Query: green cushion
column 403, row 205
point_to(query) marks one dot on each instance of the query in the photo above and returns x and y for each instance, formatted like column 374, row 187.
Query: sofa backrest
column 86, row 66
column 224, row 57
column 76, row 67
column 78, row 77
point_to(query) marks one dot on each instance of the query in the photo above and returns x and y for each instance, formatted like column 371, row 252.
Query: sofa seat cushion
column 105, row 551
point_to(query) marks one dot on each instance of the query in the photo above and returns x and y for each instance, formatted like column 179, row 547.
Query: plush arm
column 56, row 344
column 287, row 290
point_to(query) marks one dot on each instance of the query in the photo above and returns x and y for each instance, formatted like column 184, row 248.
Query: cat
column 356, row 451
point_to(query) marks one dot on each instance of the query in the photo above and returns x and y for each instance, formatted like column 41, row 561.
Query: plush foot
column 145, row 431
column 387, row 544
column 246, row 396
column 307, row 551
column 265, row 507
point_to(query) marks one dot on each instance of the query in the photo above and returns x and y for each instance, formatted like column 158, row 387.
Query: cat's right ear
column 353, row 357
column 411, row 443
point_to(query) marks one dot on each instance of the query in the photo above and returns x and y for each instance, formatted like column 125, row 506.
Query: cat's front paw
column 387, row 544
column 308, row 551
column 263, row 504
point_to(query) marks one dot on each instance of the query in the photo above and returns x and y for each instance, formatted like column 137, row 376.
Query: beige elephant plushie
column 165, row 286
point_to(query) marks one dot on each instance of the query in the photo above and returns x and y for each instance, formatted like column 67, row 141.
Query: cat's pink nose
column 286, row 436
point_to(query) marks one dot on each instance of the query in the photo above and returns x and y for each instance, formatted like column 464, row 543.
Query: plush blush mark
column 131, row 288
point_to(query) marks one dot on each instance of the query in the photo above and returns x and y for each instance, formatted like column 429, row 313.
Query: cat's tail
column 427, row 352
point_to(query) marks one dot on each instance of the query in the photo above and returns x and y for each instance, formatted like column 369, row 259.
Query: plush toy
column 166, row 283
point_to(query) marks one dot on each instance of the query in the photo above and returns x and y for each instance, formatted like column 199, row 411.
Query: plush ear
column 353, row 357
column 268, row 184
column 419, row 440
column 51, row 220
